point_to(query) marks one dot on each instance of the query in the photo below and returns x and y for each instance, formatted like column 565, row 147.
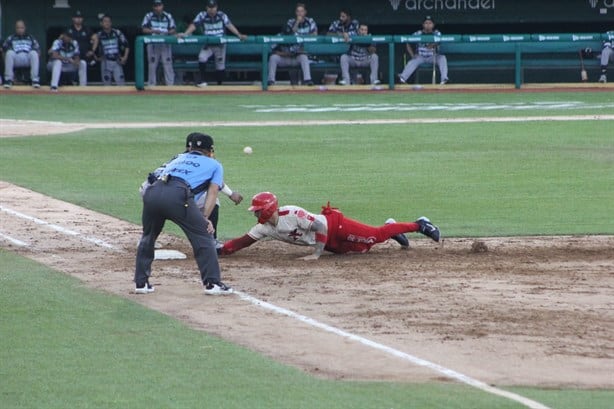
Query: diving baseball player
column 213, row 23
column 607, row 54
column 112, row 48
column 330, row 230
column 64, row 56
column 21, row 50
column 427, row 53
column 173, row 197
column 159, row 22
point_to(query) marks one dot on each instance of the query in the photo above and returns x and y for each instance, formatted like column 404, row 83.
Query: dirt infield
column 508, row 311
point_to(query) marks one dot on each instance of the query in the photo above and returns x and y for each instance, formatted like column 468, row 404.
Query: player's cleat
column 218, row 288
column 343, row 82
column 402, row 80
column 376, row 82
column 36, row 84
column 428, row 229
column 144, row 288
column 54, row 89
column 8, row 84
column 444, row 81
column 399, row 238
column 270, row 82
column 309, row 83
column 603, row 79
column 202, row 85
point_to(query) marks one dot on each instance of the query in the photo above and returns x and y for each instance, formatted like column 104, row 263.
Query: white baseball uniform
column 293, row 226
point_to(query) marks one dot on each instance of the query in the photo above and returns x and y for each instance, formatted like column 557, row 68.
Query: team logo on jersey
column 359, row 239
column 295, row 234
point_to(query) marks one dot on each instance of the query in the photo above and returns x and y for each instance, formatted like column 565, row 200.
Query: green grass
column 64, row 346
column 473, row 179
column 201, row 107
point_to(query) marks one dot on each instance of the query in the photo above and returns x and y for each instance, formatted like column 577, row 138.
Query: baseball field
column 514, row 309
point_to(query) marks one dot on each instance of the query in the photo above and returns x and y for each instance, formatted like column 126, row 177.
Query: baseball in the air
column 247, row 150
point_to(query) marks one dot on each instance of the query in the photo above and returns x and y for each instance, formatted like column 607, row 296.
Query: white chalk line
column 450, row 373
column 327, row 122
column 13, row 240
column 94, row 240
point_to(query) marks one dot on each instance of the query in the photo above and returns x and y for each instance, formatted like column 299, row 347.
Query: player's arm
column 231, row 27
column 212, row 193
column 410, row 49
column 236, row 197
column 124, row 58
column 321, row 230
column 236, row 244
column 191, row 28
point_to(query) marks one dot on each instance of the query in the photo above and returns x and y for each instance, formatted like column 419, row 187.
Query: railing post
column 518, row 66
column 139, row 65
column 391, row 63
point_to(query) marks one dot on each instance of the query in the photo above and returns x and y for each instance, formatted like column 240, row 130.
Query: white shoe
column 218, row 288
column 403, row 80
column 444, row 81
column 36, row 85
column 376, row 82
column 603, row 79
column 202, row 85
column 146, row 289
column 343, row 82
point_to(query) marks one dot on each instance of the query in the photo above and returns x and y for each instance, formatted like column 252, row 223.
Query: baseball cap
column 200, row 141
column 67, row 33
column 156, row 2
column 77, row 13
column 426, row 18
column 211, row 3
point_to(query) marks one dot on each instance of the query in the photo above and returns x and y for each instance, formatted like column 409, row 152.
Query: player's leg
column 166, row 55
column 9, row 66
column 305, row 67
column 118, row 73
column 274, row 62
column 55, row 66
column 34, row 68
column 442, row 62
column 82, row 73
column 411, row 66
column 374, row 69
column 606, row 54
column 105, row 72
column 344, row 62
column 203, row 57
column 214, row 217
column 152, row 58
column 220, row 63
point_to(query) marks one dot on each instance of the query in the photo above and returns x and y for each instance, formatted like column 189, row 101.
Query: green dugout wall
column 46, row 18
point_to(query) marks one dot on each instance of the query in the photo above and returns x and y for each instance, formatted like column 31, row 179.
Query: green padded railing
column 501, row 43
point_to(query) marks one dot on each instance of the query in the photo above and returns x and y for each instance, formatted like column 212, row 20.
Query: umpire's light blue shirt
column 196, row 169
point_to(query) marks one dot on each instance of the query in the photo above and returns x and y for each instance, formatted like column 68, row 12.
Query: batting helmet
column 266, row 203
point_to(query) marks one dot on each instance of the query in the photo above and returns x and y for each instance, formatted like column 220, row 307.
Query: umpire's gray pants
column 606, row 55
column 57, row 67
column 112, row 71
column 347, row 62
column 276, row 60
column 418, row 60
column 157, row 53
column 14, row 60
column 173, row 201
column 219, row 51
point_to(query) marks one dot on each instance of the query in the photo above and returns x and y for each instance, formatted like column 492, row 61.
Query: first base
column 163, row 254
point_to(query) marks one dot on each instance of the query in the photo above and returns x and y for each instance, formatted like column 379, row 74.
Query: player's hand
column 346, row 37
column 122, row 60
column 210, row 228
column 310, row 257
column 181, row 35
column 242, row 37
column 236, row 197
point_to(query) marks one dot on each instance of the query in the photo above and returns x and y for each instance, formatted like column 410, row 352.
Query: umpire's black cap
column 197, row 140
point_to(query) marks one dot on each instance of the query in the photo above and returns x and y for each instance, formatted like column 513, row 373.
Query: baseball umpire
column 173, row 197
column 330, row 230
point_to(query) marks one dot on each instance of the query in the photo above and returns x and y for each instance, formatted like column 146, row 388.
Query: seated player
column 330, row 230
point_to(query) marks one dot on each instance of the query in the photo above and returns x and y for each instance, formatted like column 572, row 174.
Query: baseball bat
column 583, row 74
column 434, row 64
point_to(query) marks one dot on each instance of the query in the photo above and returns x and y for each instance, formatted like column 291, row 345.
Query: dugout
column 46, row 18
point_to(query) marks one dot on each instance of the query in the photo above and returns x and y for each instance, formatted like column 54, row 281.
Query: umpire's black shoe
column 217, row 288
column 428, row 229
column 145, row 288
column 399, row 238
